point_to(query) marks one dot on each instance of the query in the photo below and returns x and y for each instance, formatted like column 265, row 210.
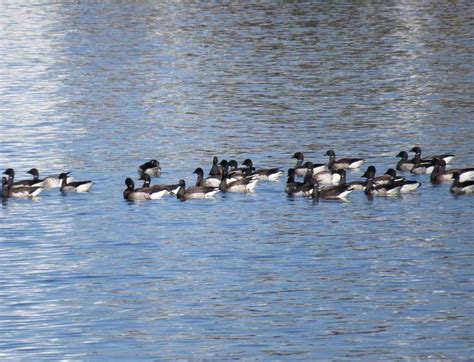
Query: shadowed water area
column 97, row 88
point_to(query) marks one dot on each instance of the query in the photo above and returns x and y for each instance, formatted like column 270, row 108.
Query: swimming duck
column 211, row 181
column 20, row 191
column 247, row 184
column 417, row 159
column 297, row 188
column 140, row 194
column 405, row 185
column 328, row 177
column 390, row 189
column 271, row 174
column 404, row 164
column 216, row 169
column 460, row 188
column 345, row 163
column 292, row 185
column 422, row 167
column 170, row 189
column 196, row 192
column 10, row 173
column 75, row 186
column 49, row 181
column 301, row 169
column 151, row 168
column 334, row 192
column 354, row 185
column 440, row 174
column 377, row 180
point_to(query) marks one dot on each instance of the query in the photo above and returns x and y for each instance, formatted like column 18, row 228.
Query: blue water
column 99, row 88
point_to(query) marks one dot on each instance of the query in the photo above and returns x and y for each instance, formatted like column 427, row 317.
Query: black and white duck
column 20, row 191
column 440, row 174
column 143, row 193
column 301, row 169
column 461, row 188
column 170, row 189
column 417, row 159
column 195, row 192
column 404, row 164
column 151, row 168
column 74, row 186
column 405, row 185
column 271, row 174
column 344, row 163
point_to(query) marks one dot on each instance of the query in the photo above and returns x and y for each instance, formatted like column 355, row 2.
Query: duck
column 10, row 173
column 391, row 189
column 417, row 150
column 460, row 188
column 211, row 181
column 140, row 194
column 75, row 186
column 20, row 191
column 247, row 184
column 334, row 192
column 151, row 168
column 291, row 179
column 170, row 189
column 404, row 164
column 377, row 180
column 271, row 174
column 196, row 192
column 299, row 189
column 406, row 185
column 234, row 171
column 216, row 169
column 345, row 163
column 440, row 174
column 301, row 169
column 49, row 181
column 328, row 177
column 292, row 185
column 422, row 167
column 354, row 185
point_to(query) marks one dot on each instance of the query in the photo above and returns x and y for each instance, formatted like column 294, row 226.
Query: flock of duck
column 319, row 180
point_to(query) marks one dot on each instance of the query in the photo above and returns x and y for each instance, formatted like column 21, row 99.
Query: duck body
column 440, row 174
column 404, row 164
column 422, row 167
column 405, row 185
column 381, row 190
column 20, row 191
column 294, row 188
column 143, row 193
column 242, row 185
column 461, row 188
column 301, row 169
column 211, row 181
column 337, row 192
column 49, row 181
column 270, row 174
column 10, row 173
column 333, row 192
column 417, row 159
column 75, row 186
column 170, row 189
column 151, row 168
column 196, row 192
column 344, row 163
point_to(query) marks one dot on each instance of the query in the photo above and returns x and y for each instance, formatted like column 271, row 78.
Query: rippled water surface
column 100, row 87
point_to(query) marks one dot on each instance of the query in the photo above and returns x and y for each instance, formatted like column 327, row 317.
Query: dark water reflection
column 98, row 87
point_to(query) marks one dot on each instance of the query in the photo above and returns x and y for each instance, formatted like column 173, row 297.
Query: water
column 99, row 88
